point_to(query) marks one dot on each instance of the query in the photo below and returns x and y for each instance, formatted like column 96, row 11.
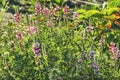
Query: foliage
column 73, row 44
column 114, row 3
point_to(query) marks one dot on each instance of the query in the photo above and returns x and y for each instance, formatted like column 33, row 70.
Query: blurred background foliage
column 28, row 5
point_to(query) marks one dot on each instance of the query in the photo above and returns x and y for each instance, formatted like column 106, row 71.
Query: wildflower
column 92, row 54
column 57, row 8
column 112, row 47
column 112, row 44
column 75, row 15
column 51, row 12
column 114, row 51
column 84, row 56
column 37, row 8
column 96, row 68
column 101, row 42
column 17, row 17
column 45, row 11
column 19, row 36
column 28, row 31
column 31, row 30
column 36, row 48
column 66, row 9
column 34, row 30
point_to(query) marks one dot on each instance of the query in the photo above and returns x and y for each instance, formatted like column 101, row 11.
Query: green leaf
column 1, row 16
column 91, row 13
column 58, row 1
column 110, row 11
column 81, row 11
column 113, row 3
column 81, row 16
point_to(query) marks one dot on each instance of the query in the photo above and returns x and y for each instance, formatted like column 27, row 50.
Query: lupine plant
column 56, row 42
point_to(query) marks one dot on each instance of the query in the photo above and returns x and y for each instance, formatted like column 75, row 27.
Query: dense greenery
column 55, row 42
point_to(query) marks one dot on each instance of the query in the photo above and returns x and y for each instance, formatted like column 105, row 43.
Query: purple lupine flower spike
column 17, row 17
column 101, row 42
column 66, row 9
column 36, row 48
column 75, row 15
column 51, row 12
column 92, row 55
column 57, row 8
column 19, row 36
column 96, row 68
column 114, row 51
column 37, row 8
column 84, row 56
column 45, row 11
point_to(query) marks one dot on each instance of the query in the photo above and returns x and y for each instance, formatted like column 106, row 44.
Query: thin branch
column 90, row 3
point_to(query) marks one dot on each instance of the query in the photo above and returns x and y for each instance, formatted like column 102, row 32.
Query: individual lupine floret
column 92, row 53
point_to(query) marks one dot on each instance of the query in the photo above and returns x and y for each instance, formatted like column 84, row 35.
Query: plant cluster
column 59, row 43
